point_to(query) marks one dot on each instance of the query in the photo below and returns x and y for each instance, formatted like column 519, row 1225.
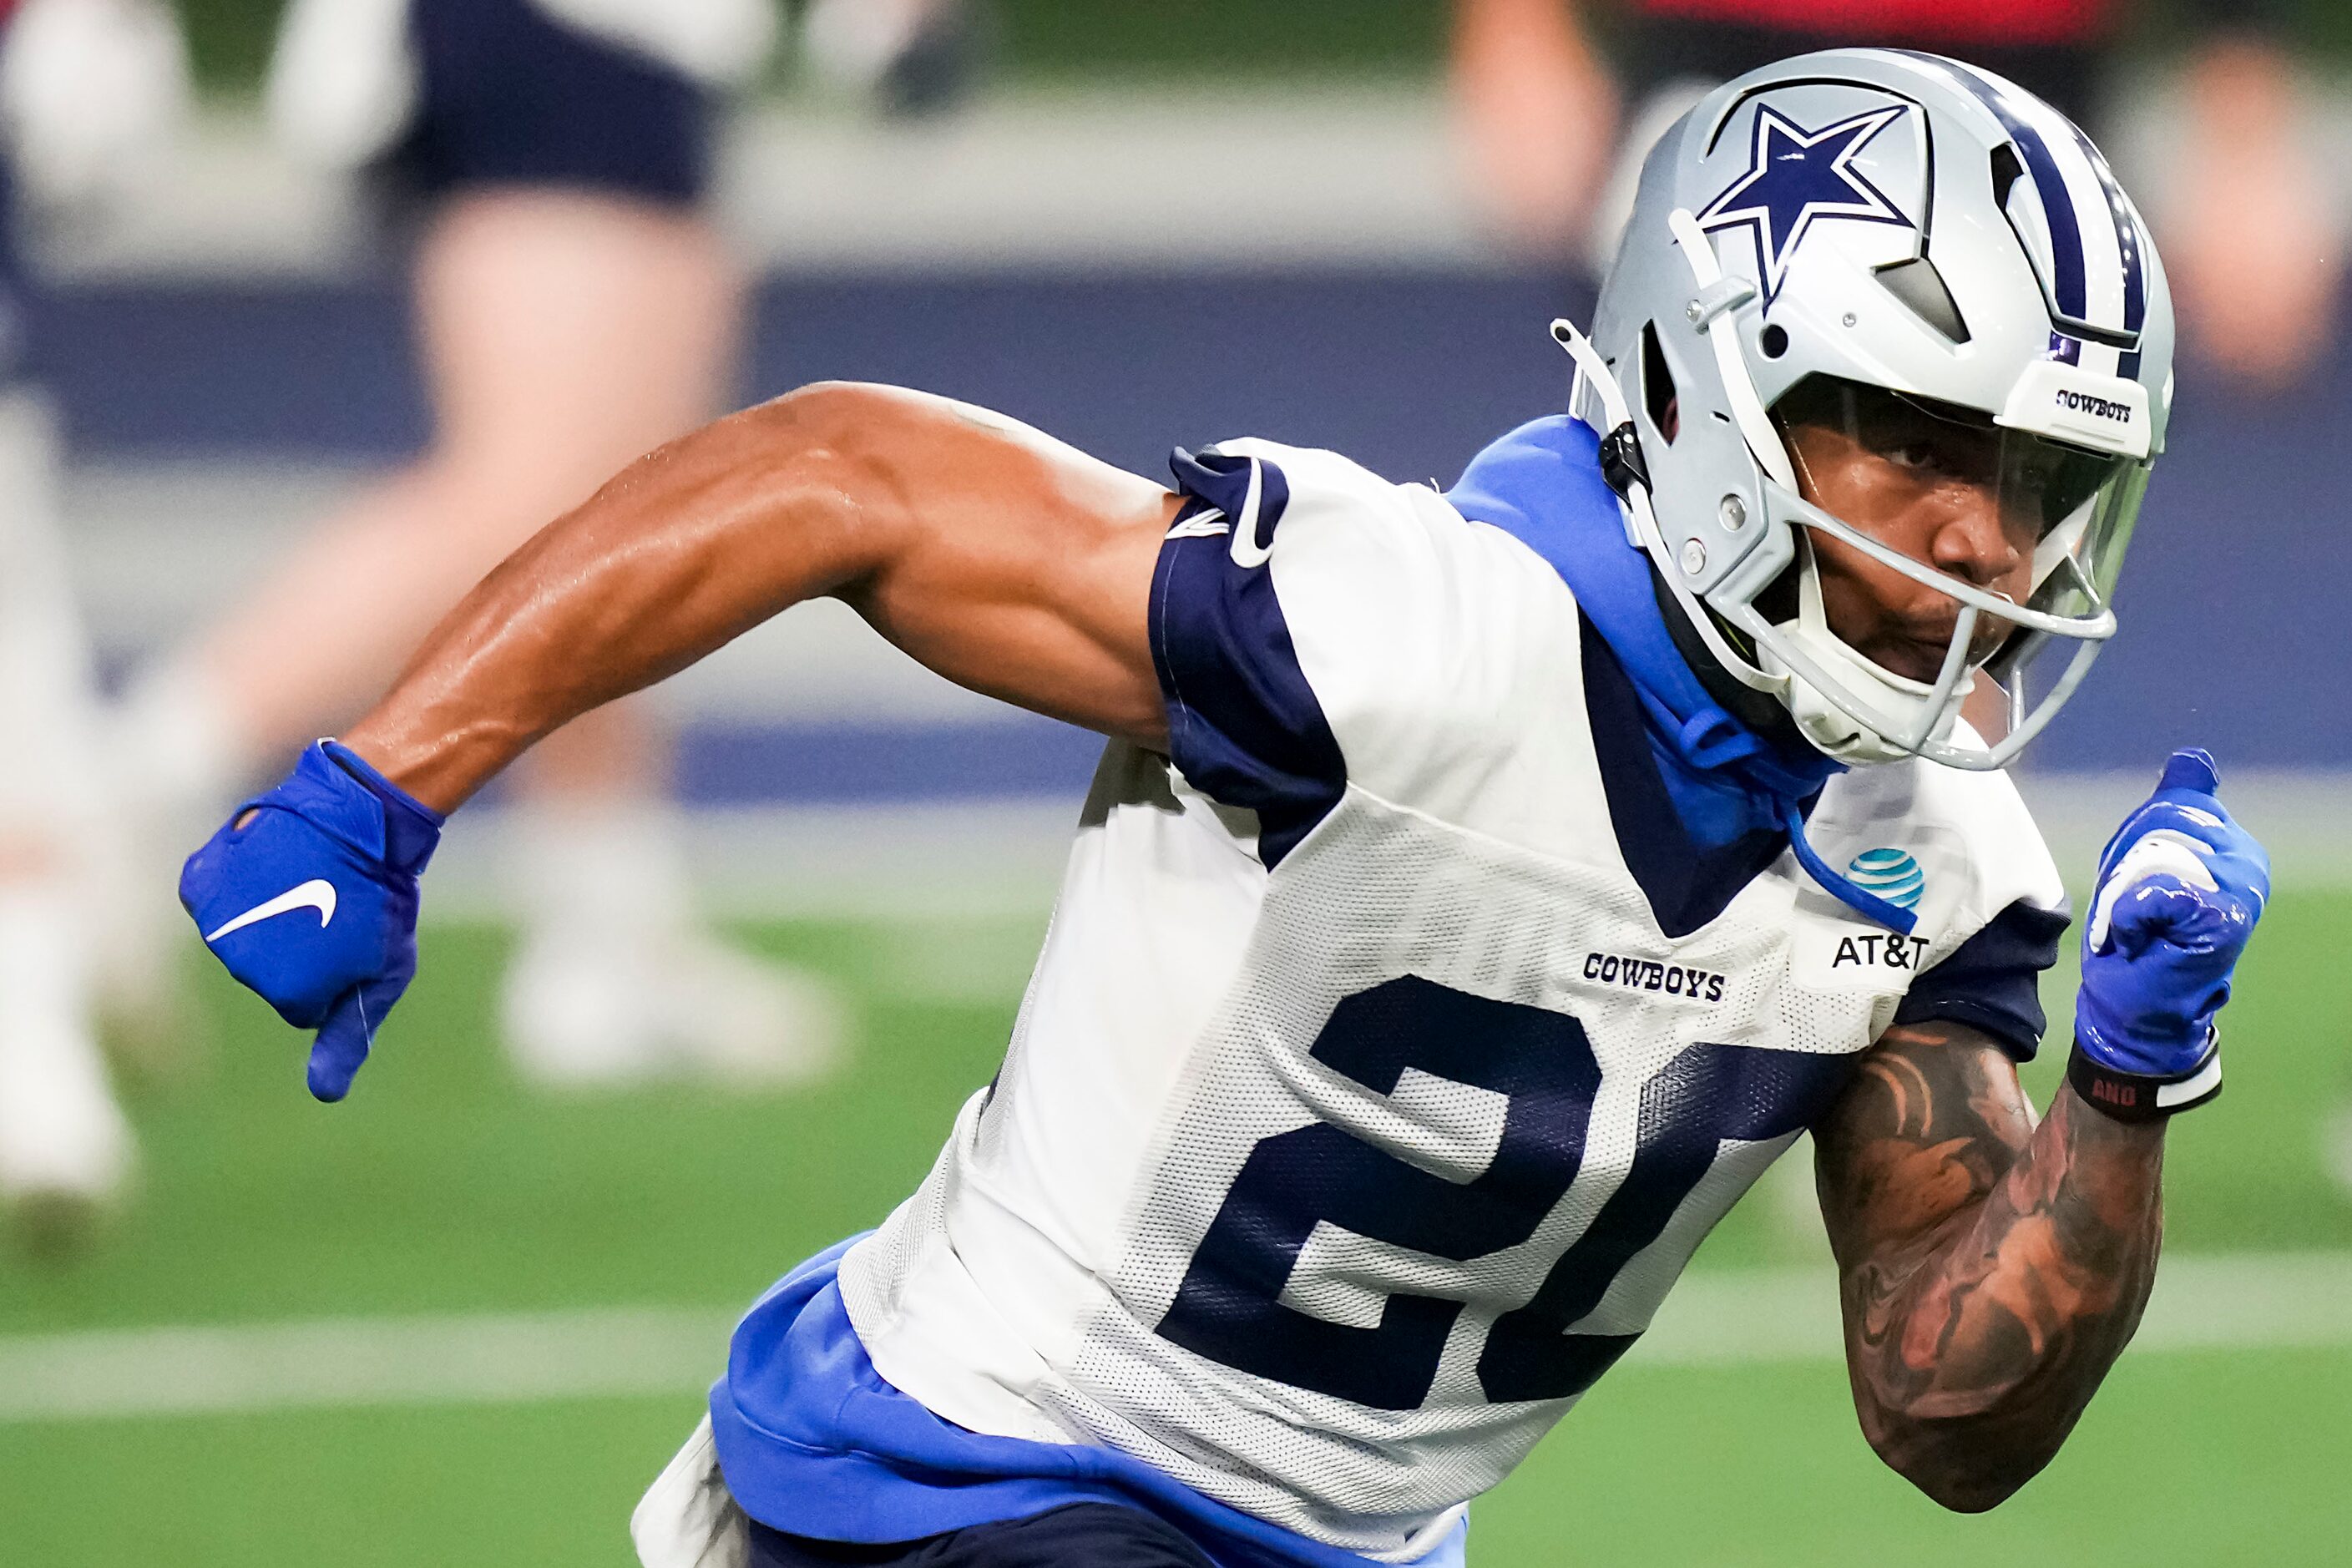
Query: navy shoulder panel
column 1992, row 981
column 1243, row 725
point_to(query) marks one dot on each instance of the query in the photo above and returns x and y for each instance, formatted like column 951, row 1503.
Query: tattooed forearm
column 1992, row 1269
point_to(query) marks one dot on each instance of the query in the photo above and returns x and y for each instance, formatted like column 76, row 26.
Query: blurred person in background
column 1556, row 131
column 88, row 90
column 552, row 162
column 575, row 305
column 549, row 162
column 907, row 57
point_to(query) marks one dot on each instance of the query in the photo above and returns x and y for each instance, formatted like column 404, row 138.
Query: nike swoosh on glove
column 309, row 896
column 2180, row 887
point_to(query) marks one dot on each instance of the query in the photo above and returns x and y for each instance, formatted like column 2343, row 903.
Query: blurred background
column 310, row 317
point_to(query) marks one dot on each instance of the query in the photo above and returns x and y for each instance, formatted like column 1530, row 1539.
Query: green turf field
column 442, row 1188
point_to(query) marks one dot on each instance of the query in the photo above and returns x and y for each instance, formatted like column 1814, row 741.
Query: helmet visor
column 1947, row 556
column 2029, row 530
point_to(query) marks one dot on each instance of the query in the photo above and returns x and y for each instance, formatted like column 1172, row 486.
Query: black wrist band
column 2143, row 1096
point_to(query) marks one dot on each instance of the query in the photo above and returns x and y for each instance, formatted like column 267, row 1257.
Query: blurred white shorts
column 687, row 1518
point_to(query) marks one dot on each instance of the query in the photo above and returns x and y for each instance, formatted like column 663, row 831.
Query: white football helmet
column 1891, row 226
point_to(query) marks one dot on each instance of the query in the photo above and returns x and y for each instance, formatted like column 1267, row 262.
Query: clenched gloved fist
column 2180, row 887
column 309, row 896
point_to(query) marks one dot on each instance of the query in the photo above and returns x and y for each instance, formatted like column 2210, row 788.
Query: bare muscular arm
column 1992, row 1269
column 1005, row 561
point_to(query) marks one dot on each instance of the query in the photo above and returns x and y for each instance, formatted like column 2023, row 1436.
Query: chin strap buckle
column 1621, row 463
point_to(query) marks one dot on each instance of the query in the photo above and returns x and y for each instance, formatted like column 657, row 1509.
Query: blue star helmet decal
column 1797, row 177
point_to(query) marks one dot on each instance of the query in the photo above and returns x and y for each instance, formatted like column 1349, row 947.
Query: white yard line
column 479, row 1359
column 1715, row 1319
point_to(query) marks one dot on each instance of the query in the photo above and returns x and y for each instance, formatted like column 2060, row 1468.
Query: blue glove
column 309, row 896
column 2180, row 887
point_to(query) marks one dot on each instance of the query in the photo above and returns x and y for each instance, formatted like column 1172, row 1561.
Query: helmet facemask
column 2073, row 510
column 2032, row 532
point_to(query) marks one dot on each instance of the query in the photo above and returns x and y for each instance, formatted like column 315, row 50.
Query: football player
column 1477, row 891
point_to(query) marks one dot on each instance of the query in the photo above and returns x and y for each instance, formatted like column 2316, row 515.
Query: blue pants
column 1082, row 1535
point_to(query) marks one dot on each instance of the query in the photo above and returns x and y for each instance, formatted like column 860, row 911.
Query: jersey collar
column 1542, row 485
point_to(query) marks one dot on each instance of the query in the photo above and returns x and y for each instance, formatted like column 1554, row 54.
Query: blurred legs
column 614, row 982
column 911, row 57
column 564, row 334
column 65, row 1148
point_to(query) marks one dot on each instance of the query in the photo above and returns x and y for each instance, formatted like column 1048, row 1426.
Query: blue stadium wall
column 2234, row 605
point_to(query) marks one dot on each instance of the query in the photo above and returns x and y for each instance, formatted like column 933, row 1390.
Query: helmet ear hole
column 1926, row 295
column 2008, row 168
column 1658, row 396
column 1778, row 600
column 1773, row 341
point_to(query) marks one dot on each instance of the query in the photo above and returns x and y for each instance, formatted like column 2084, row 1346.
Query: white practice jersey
column 1361, row 1110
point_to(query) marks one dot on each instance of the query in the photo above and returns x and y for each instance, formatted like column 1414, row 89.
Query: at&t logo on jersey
column 1878, row 950
column 1892, row 874
column 1895, row 876
column 1845, row 952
